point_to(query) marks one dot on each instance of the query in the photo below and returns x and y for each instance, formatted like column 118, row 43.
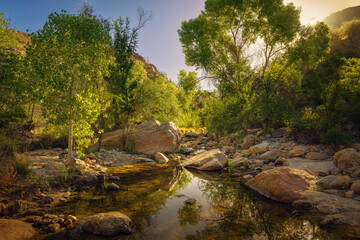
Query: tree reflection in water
column 237, row 214
column 153, row 197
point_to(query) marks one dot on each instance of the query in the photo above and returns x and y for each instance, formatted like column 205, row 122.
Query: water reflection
column 154, row 198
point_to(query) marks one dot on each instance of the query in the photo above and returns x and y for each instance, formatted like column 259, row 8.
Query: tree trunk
column 70, row 147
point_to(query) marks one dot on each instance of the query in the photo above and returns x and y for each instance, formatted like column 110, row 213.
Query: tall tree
column 236, row 43
column 123, row 83
column 67, row 61
column 11, row 87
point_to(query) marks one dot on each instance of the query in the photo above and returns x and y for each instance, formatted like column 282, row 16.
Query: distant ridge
column 335, row 19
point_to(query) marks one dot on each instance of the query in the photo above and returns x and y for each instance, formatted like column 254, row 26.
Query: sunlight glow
column 313, row 21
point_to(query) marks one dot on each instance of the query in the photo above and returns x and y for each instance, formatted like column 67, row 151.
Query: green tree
column 223, row 38
column 124, row 83
column 188, row 81
column 11, row 87
column 66, row 63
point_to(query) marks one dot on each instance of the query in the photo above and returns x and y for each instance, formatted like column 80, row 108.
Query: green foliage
column 345, row 41
column 335, row 135
column 65, row 65
column 342, row 96
column 188, row 81
column 21, row 166
column 11, row 87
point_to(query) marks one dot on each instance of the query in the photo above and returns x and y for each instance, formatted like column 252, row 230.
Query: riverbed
column 169, row 202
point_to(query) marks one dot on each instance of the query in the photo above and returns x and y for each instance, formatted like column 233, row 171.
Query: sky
column 158, row 40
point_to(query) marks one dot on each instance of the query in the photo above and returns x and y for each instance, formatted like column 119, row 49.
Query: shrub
column 21, row 165
column 46, row 139
column 8, row 146
column 8, row 176
column 335, row 135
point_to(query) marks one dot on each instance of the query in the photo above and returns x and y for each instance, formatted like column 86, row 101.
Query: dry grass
column 8, row 176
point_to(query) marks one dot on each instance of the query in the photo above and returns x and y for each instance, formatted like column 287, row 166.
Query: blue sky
column 158, row 41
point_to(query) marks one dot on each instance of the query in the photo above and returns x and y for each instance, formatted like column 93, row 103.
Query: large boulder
column 315, row 156
column 11, row 229
column 148, row 138
column 283, row 184
column 207, row 161
column 341, row 182
column 107, row 224
column 347, row 158
column 259, row 148
column 355, row 187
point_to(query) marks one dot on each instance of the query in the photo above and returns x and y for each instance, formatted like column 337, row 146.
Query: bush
column 8, row 176
column 21, row 166
column 8, row 147
column 61, row 142
column 46, row 140
column 335, row 135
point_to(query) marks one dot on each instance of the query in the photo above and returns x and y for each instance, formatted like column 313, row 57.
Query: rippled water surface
column 154, row 198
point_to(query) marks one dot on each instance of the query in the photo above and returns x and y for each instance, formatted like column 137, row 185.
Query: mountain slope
column 335, row 19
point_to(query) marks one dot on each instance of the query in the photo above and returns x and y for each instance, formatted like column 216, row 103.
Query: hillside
column 335, row 19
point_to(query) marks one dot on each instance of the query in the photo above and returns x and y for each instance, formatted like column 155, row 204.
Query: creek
column 154, row 197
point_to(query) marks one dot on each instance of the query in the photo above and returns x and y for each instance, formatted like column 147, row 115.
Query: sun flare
column 313, row 21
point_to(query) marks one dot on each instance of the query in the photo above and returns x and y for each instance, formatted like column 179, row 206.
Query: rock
column 186, row 150
column 248, row 176
column 341, row 182
column 191, row 135
column 11, row 229
column 259, row 148
column 144, row 160
column 89, row 177
column 283, row 184
column 315, row 156
column 248, row 143
column 114, row 178
column 349, row 194
column 355, row 146
column 237, row 154
column 355, row 187
column 161, row 158
column 334, row 219
column 207, row 161
column 108, row 224
column 91, row 156
column 113, row 187
column 70, row 219
column 101, row 177
column 55, row 167
column 88, row 161
column 347, row 158
column 315, row 166
column 332, row 191
column 149, row 137
column 282, row 162
column 334, row 171
column 273, row 155
column 190, row 201
column 301, row 204
column 297, row 152
column 228, row 149
column 52, row 228
column 20, row 206
column 327, row 208
column 279, row 133
column 326, row 181
column 239, row 161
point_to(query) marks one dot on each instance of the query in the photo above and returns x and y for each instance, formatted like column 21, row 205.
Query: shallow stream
column 154, row 198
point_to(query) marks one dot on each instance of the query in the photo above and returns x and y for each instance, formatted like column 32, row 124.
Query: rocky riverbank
column 318, row 178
